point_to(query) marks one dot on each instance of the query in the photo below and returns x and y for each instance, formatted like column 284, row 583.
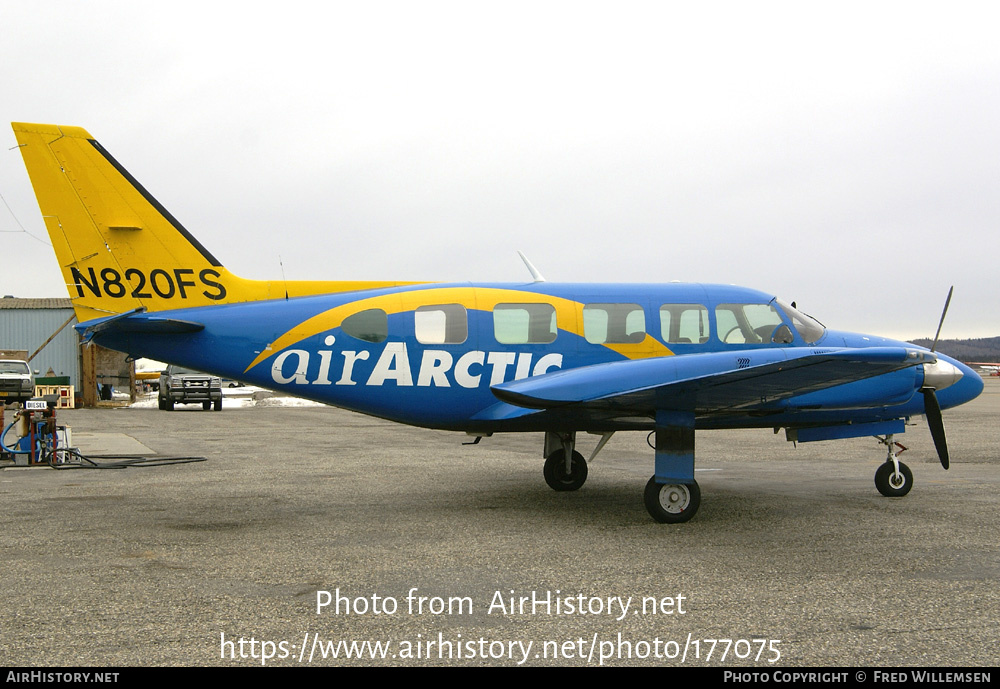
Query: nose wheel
column 893, row 479
column 672, row 503
column 892, row 482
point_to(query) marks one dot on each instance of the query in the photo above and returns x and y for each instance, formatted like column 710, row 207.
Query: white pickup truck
column 17, row 383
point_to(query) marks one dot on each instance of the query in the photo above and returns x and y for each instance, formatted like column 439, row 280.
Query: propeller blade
column 944, row 313
column 933, row 412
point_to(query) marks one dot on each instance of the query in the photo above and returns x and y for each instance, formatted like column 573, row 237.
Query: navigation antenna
column 535, row 275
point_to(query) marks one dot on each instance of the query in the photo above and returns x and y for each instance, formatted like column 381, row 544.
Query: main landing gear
column 893, row 479
column 671, row 503
column 672, row 496
column 563, row 475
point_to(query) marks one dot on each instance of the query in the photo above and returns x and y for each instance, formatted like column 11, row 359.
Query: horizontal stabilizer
column 138, row 322
column 154, row 324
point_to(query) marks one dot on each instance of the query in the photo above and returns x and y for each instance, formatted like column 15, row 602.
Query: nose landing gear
column 893, row 479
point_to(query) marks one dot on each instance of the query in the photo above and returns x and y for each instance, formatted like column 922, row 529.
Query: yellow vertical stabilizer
column 117, row 247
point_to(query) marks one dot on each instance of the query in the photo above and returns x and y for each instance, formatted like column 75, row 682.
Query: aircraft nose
column 966, row 386
column 941, row 374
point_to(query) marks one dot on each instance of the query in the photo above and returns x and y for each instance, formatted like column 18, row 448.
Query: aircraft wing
column 718, row 382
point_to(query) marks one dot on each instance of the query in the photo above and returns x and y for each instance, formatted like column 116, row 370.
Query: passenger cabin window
column 614, row 323
column 444, row 324
column 684, row 323
column 749, row 324
column 524, row 323
column 371, row 325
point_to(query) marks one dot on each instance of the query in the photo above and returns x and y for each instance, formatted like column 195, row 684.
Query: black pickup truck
column 180, row 385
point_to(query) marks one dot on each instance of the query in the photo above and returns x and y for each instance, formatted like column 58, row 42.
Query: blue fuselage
column 428, row 355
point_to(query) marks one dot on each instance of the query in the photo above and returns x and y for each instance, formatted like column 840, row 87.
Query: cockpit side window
column 750, row 324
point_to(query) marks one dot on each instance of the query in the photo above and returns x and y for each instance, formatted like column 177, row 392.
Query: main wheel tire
column 671, row 503
column 218, row 405
column 205, row 406
column 889, row 484
column 555, row 471
column 163, row 403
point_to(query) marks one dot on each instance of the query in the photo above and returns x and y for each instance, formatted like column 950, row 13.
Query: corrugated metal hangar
column 27, row 323
column 44, row 329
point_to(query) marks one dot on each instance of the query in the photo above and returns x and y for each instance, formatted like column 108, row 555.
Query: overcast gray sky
column 843, row 155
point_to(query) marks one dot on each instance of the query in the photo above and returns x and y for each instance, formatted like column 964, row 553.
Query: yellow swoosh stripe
column 569, row 315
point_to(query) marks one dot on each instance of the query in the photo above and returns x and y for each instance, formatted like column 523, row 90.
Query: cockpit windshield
column 765, row 324
column 809, row 328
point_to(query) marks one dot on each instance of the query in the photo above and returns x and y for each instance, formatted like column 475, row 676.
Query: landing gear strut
column 672, row 496
column 893, row 479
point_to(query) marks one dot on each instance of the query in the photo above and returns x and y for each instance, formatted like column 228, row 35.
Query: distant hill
column 983, row 349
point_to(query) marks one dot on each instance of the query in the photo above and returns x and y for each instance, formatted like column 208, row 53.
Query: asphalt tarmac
column 422, row 542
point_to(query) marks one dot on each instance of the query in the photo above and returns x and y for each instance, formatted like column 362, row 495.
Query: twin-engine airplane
column 483, row 358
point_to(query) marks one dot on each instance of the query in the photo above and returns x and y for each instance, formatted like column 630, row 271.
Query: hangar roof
column 17, row 303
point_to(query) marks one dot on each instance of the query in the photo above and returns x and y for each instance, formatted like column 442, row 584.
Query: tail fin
column 117, row 247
